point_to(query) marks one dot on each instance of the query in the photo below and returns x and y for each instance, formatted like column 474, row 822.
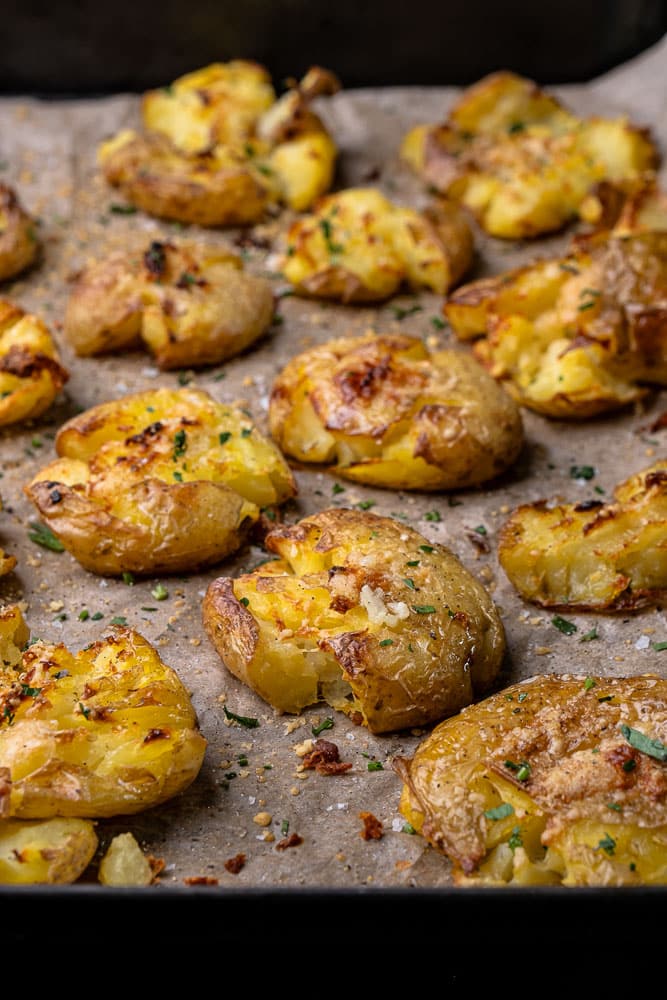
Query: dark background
column 84, row 47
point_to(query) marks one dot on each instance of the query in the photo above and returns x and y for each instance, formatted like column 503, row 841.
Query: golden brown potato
column 218, row 149
column 556, row 779
column 592, row 556
column 107, row 731
column 521, row 162
column 159, row 481
column 50, row 851
column 362, row 612
column 7, row 563
column 19, row 245
column 190, row 305
column 574, row 336
column 31, row 375
column 358, row 246
column 390, row 413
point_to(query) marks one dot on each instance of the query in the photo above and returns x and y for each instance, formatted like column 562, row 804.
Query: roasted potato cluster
column 385, row 411
column 7, row 563
column 358, row 246
column 521, row 162
column 592, row 556
column 189, row 305
column 217, row 147
column 158, row 481
column 554, row 780
column 362, row 612
column 574, row 336
column 19, row 244
column 31, row 375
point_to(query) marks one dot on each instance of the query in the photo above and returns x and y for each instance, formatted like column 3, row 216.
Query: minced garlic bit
column 379, row 613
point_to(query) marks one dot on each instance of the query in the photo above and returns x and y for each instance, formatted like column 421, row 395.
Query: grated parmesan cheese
column 379, row 613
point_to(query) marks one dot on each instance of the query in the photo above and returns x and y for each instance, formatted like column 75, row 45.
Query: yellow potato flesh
column 52, row 852
column 31, row 375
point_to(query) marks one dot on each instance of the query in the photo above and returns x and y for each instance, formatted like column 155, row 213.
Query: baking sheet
column 47, row 150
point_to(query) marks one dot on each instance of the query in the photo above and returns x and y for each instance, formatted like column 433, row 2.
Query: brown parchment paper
column 47, row 150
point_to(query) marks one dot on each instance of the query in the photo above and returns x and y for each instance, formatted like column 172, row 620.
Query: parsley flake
column 582, row 472
column 386, row 642
column 563, row 625
column 243, row 720
column 42, row 535
column 653, row 748
column 423, row 609
column 499, row 812
column 324, row 724
column 607, row 844
column 160, row 592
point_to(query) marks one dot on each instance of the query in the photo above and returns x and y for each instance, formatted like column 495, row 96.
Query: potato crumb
column 262, row 818
column 294, row 790
column 401, row 866
column 293, row 724
column 268, row 837
column 56, row 605
column 542, row 650
column 301, row 749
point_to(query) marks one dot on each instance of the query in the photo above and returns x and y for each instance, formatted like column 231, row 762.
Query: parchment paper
column 47, row 151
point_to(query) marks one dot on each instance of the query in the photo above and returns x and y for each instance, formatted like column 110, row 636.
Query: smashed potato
column 19, row 245
column 358, row 246
column 521, row 162
column 52, row 851
column 554, row 780
column 363, row 613
column 574, row 336
column 218, row 149
column 592, row 556
column 387, row 412
column 7, row 563
column 31, row 375
column 107, row 731
column 190, row 305
column 159, row 481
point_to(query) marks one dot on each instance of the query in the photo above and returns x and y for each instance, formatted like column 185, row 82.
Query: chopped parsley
column 30, row 692
column 224, row 437
column 284, row 827
column 426, row 548
column 97, row 616
column 521, row 770
column 408, row 828
column 499, row 812
column 401, row 313
column 563, row 625
column 432, row 515
column 119, row 620
column 589, row 636
column 246, row 432
column 178, row 476
column 615, row 806
column 480, row 529
column 582, row 472
column 409, row 582
column 324, row 724
column 244, row 601
column 332, row 248
column 118, row 209
column 128, row 578
column 180, row 443
column 84, row 711
column 438, row 323
column 160, row 592
column 607, row 844
column 423, row 609
column 653, row 748
column 516, row 127
column 184, row 378
column 386, row 642
column 375, row 765
column 84, row 615
column 515, row 839
column 42, row 535
column 413, row 562
column 243, row 720
column 659, row 646
column 589, row 683
column 366, row 504
column 337, row 488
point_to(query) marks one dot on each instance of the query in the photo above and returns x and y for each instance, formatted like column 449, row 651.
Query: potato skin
column 387, row 412
column 391, row 652
column 31, row 375
column 108, row 731
column 159, row 481
column 190, row 305
column 521, row 162
column 19, row 245
column 217, row 149
column 536, row 765
column 592, row 556
column 575, row 336
column 358, row 246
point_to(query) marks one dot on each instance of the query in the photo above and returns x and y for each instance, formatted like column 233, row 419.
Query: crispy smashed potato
column 521, row 162
column 107, row 731
column 574, row 336
column 190, row 305
column 554, row 780
column 19, row 245
column 362, row 612
column 7, row 563
column 358, row 246
column 218, row 149
column 387, row 412
column 52, row 851
column 160, row 481
column 592, row 556
column 124, row 863
column 31, row 375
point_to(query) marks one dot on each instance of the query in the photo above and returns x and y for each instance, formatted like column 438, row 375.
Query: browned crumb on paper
column 325, row 759
column 200, row 880
column 372, row 827
column 293, row 840
column 235, row 864
column 157, row 866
